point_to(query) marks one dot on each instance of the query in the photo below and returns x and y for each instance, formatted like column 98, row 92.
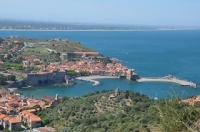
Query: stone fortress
column 46, row 78
column 42, row 79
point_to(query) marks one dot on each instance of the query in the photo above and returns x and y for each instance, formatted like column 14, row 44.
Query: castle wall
column 49, row 78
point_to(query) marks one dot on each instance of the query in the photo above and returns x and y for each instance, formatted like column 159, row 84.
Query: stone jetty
column 169, row 78
column 92, row 79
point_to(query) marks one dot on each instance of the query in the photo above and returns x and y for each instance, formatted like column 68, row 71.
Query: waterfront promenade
column 92, row 79
column 169, row 78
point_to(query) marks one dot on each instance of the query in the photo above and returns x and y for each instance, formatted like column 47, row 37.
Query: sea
column 151, row 53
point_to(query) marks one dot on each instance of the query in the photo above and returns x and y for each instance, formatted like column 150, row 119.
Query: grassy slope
column 39, row 47
column 60, row 46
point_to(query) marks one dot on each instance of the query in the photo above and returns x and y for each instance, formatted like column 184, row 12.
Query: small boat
column 79, row 78
column 155, row 98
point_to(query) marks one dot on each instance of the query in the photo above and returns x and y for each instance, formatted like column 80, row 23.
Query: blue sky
column 133, row 12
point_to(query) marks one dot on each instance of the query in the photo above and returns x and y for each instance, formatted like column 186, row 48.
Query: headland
column 43, row 62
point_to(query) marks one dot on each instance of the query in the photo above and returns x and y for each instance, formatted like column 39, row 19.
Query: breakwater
column 168, row 78
column 92, row 79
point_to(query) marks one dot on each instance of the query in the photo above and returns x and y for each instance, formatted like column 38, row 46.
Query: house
column 14, row 124
column 25, row 63
column 30, row 119
column 1, row 118
column 6, row 122
column 34, row 121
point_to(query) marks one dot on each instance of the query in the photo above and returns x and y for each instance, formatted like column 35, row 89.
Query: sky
column 123, row 12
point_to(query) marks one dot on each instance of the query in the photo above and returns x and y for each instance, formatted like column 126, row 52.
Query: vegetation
column 3, row 79
column 129, row 111
column 65, row 46
column 36, row 49
column 73, row 73
column 105, row 60
column 178, row 117
column 8, row 65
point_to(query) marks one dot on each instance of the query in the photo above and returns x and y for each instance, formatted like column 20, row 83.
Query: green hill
column 126, row 112
column 47, row 50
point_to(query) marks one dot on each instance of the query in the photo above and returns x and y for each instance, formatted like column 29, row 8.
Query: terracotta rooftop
column 14, row 120
column 48, row 99
column 6, row 118
column 35, row 118
column 2, row 116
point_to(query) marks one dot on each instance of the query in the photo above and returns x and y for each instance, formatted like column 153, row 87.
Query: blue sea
column 153, row 53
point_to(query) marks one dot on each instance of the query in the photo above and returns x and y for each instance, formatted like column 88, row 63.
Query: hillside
column 96, row 111
column 47, row 50
column 128, row 111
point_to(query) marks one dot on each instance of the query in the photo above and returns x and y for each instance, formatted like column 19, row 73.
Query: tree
column 2, row 80
column 11, row 77
column 176, row 116
column 45, row 121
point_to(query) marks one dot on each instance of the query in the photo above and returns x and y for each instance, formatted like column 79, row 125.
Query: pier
column 169, row 78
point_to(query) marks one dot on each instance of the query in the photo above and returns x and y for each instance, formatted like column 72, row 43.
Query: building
column 115, row 94
column 53, row 102
column 45, row 78
column 30, row 119
column 14, row 124
column 10, row 123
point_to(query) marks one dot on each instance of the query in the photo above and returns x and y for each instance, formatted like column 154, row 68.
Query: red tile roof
column 14, row 120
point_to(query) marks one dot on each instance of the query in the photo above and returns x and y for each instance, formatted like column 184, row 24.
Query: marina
column 169, row 78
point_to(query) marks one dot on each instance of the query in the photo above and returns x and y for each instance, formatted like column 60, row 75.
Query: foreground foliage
column 178, row 117
column 129, row 111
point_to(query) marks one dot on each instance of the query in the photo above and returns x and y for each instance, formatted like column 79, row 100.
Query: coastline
column 103, row 30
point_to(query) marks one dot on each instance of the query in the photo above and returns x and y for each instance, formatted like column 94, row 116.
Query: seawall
column 92, row 79
column 169, row 78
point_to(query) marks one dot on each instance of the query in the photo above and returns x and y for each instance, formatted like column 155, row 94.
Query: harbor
column 169, row 78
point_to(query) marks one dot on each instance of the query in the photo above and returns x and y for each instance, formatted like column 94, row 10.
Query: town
column 17, row 112
column 23, row 60
column 29, row 62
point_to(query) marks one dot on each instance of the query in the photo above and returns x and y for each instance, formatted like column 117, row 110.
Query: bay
column 151, row 53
